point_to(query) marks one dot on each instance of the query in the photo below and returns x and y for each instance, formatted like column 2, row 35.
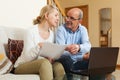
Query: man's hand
column 86, row 56
column 73, row 48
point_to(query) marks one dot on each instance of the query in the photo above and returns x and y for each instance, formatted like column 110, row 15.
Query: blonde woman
column 30, row 61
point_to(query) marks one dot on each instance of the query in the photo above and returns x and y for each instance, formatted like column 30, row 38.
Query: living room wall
column 94, row 7
column 19, row 13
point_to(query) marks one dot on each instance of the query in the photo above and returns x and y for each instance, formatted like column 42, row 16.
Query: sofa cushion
column 15, row 48
column 3, row 36
column 19, row 77
column 5, row 64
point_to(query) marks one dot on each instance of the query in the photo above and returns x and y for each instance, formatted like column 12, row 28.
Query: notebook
column 102, row 60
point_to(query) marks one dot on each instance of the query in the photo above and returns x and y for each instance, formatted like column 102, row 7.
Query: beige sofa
column 17, row 34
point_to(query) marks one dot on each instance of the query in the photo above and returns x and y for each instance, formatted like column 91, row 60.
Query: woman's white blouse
column 31, row 50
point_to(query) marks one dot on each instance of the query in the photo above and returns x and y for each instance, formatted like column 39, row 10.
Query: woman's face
column 53, row 18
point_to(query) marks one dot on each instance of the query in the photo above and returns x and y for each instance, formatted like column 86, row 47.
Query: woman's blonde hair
column 46, row 9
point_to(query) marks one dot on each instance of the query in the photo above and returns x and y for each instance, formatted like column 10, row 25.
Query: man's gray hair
column 80, row 14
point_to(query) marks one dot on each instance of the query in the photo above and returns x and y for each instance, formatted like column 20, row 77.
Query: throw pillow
column 15, row 48
column 5, row 64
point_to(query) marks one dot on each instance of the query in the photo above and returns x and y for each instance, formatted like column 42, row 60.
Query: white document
column 52, row 50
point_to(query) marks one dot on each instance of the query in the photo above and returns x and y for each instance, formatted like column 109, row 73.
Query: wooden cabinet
column 105, row 27
column 104, row 40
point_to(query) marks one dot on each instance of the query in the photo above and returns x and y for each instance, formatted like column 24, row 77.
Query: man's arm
column 85, row 44
column 60, row 35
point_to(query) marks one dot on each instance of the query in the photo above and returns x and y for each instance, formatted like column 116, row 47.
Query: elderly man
column 75, row 35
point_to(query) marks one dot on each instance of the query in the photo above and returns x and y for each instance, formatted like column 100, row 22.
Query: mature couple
column 71, row 33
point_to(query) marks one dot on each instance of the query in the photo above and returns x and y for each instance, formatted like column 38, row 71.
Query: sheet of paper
column 52, row 50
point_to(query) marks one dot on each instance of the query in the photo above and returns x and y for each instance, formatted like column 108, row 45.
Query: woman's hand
column 40, row 44
column 50, row 59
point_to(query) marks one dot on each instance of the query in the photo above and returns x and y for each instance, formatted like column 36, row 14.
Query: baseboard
column 118, row 66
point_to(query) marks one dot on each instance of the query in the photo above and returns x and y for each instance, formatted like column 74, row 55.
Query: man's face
column 72, row 20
